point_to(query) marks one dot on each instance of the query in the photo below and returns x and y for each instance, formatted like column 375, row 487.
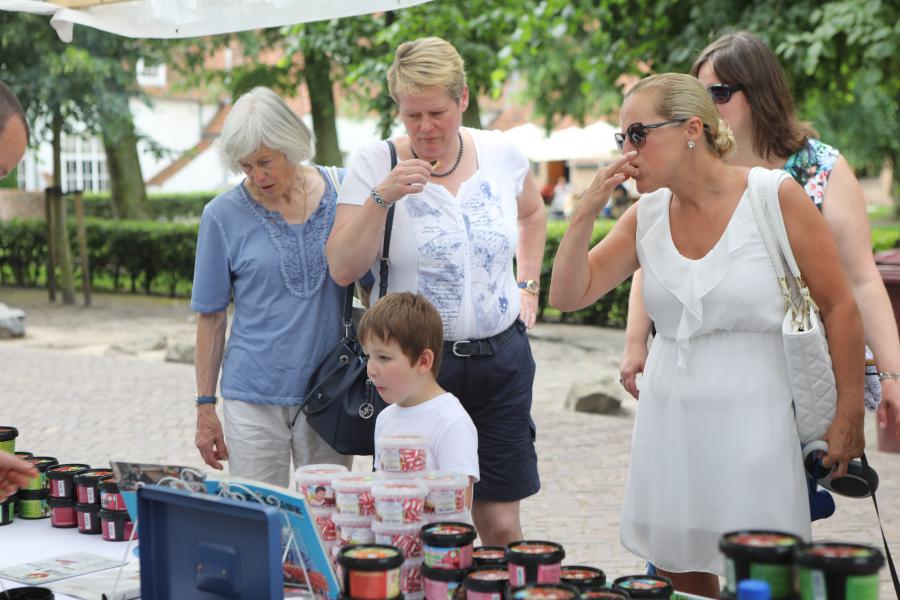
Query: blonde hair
column 261, row 118
column 681, row 96
column 424, row 63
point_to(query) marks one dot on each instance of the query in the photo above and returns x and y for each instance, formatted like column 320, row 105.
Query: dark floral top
column 810, row 167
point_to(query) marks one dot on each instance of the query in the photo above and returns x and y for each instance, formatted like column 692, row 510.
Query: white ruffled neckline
column 689, row 280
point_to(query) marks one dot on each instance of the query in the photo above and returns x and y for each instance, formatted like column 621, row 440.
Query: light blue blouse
column 287, row 308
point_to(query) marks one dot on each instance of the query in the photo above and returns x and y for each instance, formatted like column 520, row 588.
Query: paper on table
column 58, row 567
column 99, row 586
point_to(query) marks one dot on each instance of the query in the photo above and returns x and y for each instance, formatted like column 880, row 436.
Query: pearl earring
column 691, row 145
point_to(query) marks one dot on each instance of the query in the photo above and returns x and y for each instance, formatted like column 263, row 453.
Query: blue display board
column 205, row 547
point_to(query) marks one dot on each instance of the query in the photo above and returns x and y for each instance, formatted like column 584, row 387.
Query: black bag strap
column 388, row 225
column 887, row 550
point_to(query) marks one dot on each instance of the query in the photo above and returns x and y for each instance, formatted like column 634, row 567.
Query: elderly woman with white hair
column 262, row 242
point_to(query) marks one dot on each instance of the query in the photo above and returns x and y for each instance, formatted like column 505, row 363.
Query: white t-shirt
column 451, row 434
column 456, row 251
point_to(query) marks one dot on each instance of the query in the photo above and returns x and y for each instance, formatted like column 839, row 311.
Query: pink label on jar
column 549, row 573
column 62, row 516
column 470, row 595
column 58, row 488
column 440, row 590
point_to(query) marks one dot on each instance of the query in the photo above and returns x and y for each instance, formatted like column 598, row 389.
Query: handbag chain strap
column 763, row 187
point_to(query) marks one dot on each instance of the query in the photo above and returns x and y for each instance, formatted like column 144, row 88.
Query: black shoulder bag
column 340, row 402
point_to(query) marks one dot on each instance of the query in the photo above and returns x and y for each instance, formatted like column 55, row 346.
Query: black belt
column 483, row 347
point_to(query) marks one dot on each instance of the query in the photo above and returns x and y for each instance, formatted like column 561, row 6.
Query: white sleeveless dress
column 714, row 448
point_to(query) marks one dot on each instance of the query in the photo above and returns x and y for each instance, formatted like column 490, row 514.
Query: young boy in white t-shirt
column 403, row 336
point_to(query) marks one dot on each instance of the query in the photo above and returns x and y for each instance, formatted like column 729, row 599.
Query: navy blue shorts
column 496, row 392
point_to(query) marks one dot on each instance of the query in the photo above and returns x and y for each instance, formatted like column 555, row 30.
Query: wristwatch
column 530, row 286
column 206, row 400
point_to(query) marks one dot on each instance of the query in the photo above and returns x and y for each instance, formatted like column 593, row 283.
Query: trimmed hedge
column 158, row 258
column 160, row 206
column 140, row 256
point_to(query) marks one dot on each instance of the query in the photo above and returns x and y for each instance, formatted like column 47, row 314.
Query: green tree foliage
column 86, row 83
column 841, row 56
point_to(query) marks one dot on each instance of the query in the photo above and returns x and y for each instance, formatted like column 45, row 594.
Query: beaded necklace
column 456, row 164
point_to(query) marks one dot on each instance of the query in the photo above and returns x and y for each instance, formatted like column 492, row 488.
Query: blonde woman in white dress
column 715, row 447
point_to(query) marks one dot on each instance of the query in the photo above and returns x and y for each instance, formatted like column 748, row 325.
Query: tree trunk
column 58, row 214
column 126, row 180
column 472, row 116
column 317, row 72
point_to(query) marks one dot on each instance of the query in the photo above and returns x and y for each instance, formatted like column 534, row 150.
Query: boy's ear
column 426, row 359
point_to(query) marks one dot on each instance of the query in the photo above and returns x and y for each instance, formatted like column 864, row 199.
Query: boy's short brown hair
column 410, row 321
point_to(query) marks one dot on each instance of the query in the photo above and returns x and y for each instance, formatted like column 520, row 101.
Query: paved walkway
column 82, row 406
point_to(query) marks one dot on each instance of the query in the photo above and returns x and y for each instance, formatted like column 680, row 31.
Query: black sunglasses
column 637, row 133
column 721, row 92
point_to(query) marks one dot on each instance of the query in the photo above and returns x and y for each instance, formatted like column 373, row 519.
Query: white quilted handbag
column 805, row 347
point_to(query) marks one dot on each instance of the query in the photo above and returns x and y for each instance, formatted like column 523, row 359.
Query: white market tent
column 595, row 142
column 192, row 18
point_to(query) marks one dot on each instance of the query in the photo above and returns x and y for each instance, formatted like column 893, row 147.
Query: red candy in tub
column 353, row 493
column 353, row 529
column 446, row 492
column 314, row 482
column 402, row 453
column 401, row 501
column 324, row 524
column 405, row 537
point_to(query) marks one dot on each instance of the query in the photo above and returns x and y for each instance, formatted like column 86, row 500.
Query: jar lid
column 544, row 591
column 110, row 485
column 403, row 440
column 446, row 534
column 582, row 577
column 490, row 579
column 448, row 575
column 403, row 529
column 321, row 472
column 351, row 520
column 534, row 552
column 8, row 432
column 370, row 557
column 838, row 557
column 42, row 463
column 645, row 586
column 760, row 545
column 445, row 479
column 92, row 477
column 402, row 488
column 67, row 471
column 353, row 481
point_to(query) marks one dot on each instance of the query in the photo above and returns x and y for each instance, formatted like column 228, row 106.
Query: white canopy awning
column 192, row 18
column 595, row 142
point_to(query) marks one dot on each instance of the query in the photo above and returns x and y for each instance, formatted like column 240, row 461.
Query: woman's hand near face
column 597, row 194
column 408, row 177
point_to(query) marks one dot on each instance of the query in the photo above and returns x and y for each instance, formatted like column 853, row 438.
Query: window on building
column 84, row 164
column 149, row 74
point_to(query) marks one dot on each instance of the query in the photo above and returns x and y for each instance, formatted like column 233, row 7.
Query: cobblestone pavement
column 81, row 405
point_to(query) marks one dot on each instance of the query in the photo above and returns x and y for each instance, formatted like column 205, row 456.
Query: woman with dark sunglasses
column 750, row 90
column 715, row 447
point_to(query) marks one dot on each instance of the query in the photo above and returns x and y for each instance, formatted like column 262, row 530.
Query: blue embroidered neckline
column 300, row 247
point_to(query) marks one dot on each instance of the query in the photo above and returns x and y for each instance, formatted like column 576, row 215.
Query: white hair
column 261, row 118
